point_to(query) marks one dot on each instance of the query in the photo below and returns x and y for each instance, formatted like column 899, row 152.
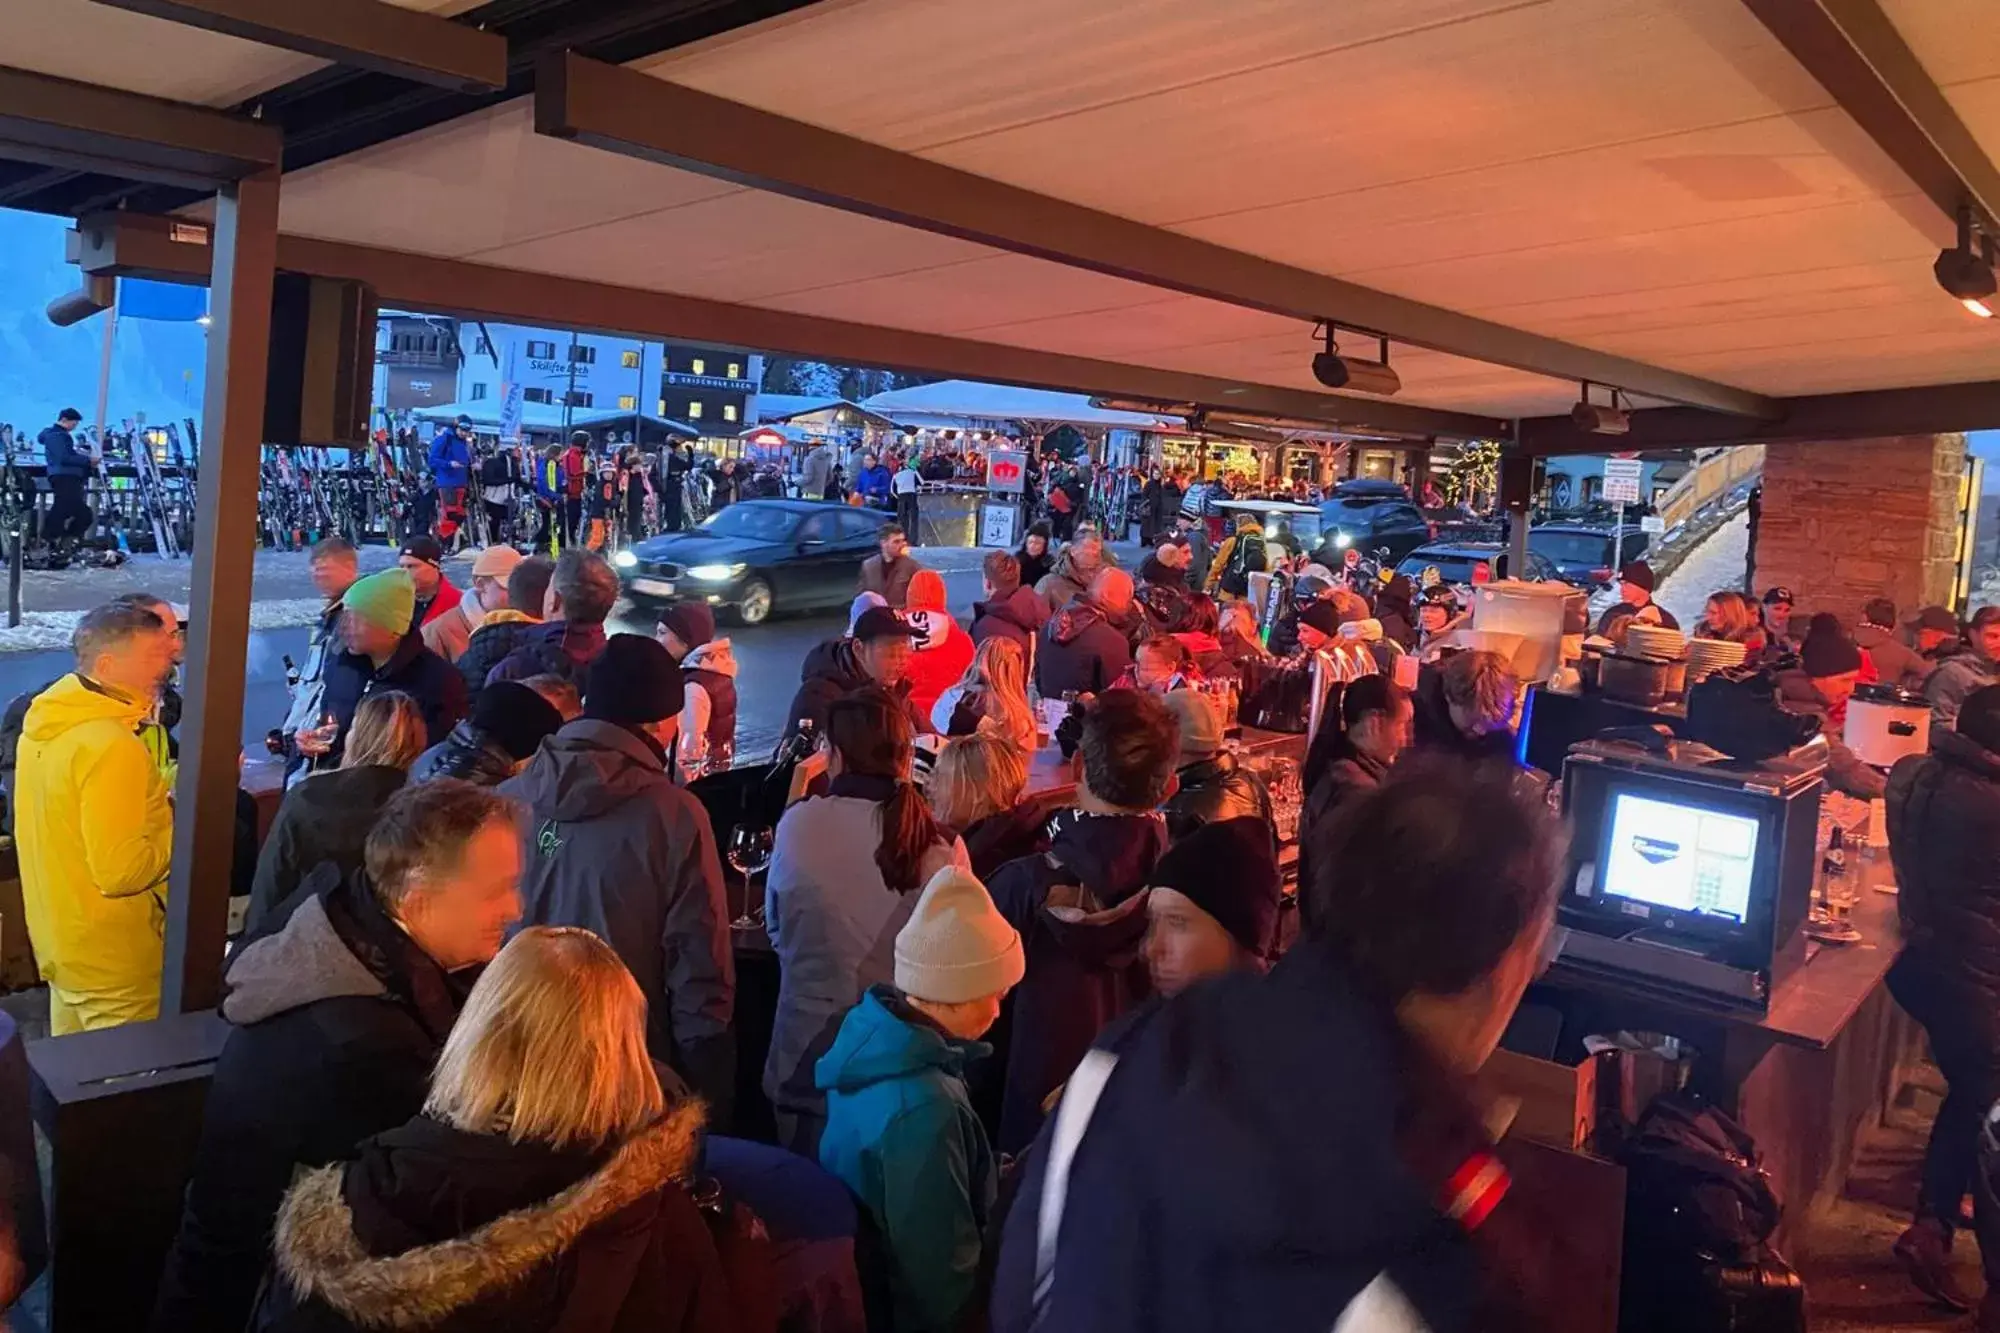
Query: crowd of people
column 1036, row 958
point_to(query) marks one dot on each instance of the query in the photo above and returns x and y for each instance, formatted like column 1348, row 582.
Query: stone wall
column 1849, row 520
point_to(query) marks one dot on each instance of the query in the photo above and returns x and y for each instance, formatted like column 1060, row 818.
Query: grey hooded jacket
column 614, row 846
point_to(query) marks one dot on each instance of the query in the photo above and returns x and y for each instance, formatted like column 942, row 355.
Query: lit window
column 694, row 409
column 663, row 407
column 697, row 367
column 736, row 370
column 729, row 411
column 629, row 360
column 627, row 403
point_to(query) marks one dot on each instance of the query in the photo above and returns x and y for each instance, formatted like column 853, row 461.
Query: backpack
column 1700, row 1208
column 1246, row 557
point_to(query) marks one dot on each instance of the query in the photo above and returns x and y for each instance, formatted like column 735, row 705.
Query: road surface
column 768, row 658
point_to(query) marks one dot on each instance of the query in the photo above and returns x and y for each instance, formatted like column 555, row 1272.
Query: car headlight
column 715, row 573
column 625, row 560
column 1342, row 540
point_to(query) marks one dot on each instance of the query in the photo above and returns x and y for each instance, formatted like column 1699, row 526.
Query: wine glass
column 750, row 852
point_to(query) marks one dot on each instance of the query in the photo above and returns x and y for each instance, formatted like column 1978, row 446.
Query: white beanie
column 956, row 946
column 863, row 602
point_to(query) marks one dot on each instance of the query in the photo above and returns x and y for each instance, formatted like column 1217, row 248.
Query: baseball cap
column 879, row 622
column 496, row 562
column 1778, row 592
column 425, row 549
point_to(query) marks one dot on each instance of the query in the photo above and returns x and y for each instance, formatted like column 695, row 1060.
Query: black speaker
column 322, row 370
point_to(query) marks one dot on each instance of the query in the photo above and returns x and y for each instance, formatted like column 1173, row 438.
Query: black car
column 756, row 557
column 1584, row 553
column 1456, row 561
column 1370, row 515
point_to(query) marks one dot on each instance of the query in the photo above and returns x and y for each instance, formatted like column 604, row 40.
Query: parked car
column 757, row 557
column 1371, row 514
column 1468, row 564
column 1583, row 553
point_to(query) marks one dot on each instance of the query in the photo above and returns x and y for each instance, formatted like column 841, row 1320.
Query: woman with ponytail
column 845, row 873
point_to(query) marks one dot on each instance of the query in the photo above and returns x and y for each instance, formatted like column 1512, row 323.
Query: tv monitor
column 1681, row 857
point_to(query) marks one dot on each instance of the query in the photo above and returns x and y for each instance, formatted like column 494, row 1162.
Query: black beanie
column 1322, row 617
column 1230, row 871
column 515, row 717
column 1826, row 649
column 634, row 681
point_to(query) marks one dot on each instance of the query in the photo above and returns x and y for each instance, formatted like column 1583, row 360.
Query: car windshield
column 763, row 523
column 1576, row 547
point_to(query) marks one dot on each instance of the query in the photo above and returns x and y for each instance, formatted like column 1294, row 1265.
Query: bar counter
column 1806, row 1077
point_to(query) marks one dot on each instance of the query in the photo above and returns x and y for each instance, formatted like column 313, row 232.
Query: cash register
column 1690, row 873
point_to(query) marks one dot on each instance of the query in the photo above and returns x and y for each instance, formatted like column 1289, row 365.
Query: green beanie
column 387, row 600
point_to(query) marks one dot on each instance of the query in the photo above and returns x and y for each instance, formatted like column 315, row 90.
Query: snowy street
column 1716, row 564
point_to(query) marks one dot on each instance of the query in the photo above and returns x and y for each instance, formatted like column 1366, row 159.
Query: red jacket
column 446, row 600
column 940, row 659
column 574, row 469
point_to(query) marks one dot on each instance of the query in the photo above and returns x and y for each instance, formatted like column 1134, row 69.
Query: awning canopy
column 968, row 404
column 1653, row 195
column 485, row 414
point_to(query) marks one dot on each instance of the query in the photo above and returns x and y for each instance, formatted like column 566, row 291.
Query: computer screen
column 1679, row 857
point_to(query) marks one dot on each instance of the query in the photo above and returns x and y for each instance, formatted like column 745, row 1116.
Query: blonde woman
column 993, row 690
column 328, row 815
column 541, row 1188
column 979, row 790
column 1239, row 634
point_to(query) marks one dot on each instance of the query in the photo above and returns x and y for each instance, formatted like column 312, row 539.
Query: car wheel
column 754, row 606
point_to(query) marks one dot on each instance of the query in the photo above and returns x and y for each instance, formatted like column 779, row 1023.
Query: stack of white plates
column 1707, row 656
column 1657, row 642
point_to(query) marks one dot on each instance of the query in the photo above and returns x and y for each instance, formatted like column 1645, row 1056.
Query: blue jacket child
column 900, row 1130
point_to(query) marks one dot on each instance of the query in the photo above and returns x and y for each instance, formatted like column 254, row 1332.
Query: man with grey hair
column 93, row 825
column 581, row 594
column 1082, row 650
column 340, row 1002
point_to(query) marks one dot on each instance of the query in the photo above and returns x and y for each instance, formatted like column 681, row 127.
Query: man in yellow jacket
column 94, row 829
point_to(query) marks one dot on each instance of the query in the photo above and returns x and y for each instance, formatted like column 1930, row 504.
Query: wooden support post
column 245, row 260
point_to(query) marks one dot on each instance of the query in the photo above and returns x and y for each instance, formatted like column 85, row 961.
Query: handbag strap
column 1073, row 1113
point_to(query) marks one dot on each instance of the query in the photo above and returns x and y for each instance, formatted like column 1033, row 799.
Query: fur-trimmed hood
column 320, row 1254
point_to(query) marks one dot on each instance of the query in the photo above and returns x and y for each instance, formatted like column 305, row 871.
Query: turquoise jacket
column 901, row 1133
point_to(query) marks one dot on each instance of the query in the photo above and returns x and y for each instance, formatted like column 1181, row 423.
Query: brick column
column 1849, row 520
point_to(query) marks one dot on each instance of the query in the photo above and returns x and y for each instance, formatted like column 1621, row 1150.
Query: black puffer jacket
column 468, row 753
column 1214, row 789
column 497, row 636
column 435, row 1228
column 1944, row 837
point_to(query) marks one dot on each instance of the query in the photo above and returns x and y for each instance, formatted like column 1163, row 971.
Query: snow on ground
column 1716, row 564
column 40, row 631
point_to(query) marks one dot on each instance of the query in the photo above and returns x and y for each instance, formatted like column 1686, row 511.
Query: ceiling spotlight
column 1967, row 275
column 1598, row 419
column 1345, row 372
